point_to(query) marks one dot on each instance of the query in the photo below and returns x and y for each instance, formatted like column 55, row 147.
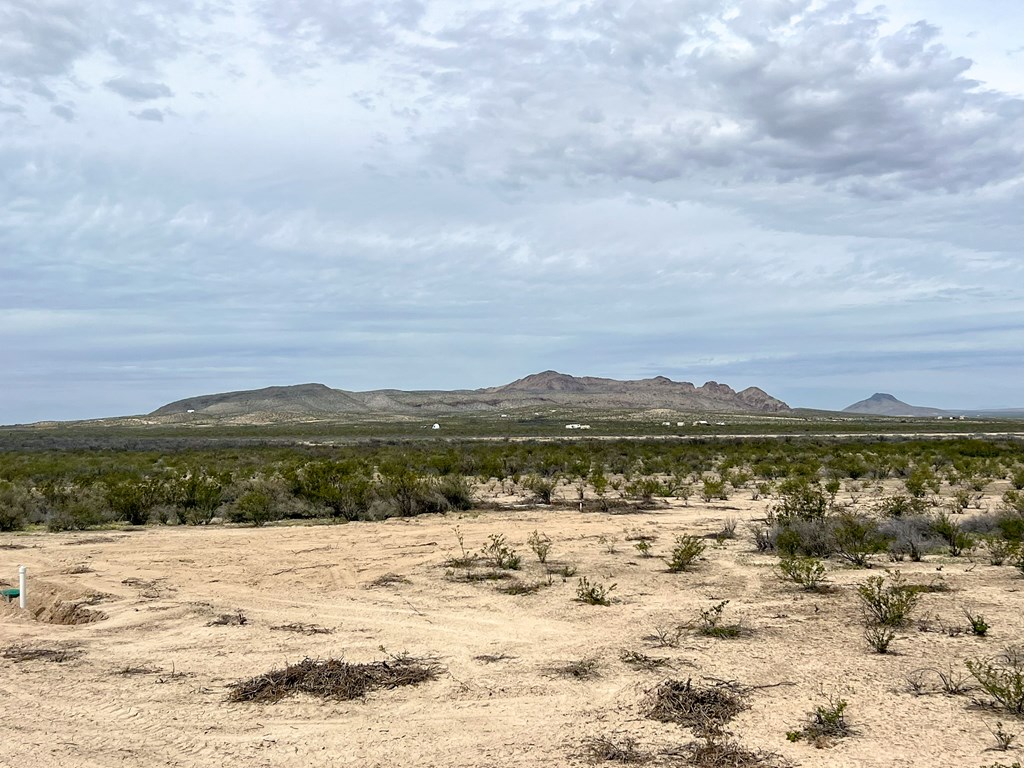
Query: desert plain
column 163, row 620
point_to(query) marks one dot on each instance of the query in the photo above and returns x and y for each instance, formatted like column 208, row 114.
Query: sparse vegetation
column 827, row 722
column 686, row 550
column 711, row 624
column 889, row 604
column 540, row 543
column 808, row 572
column 593, row 593
column 1002, row 678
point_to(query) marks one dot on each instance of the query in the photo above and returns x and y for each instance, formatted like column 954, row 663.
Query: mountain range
column 534, row 391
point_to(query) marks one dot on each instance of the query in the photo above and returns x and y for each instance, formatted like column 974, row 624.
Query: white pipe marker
column 21, row 586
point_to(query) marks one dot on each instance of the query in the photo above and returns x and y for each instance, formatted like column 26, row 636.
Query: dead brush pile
column 333, row 679
column 704, row 709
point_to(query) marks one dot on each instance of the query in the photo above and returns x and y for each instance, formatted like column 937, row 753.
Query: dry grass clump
column 303, row 629
column 583, row 669
column 705, row 709
column 18, row 653
column 515, row 587
column 718, row 752
column 236, row 619
column 333, row 679
column 639, row 660
column 131, row 671
column 617, row 750
column 388, row 579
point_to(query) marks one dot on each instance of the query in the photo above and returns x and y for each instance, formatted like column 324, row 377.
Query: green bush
column 950, row 531
column 686, row 550
column 808, row 572
column 17, row 506
column 501, row 555
column 1002, row 678
column 593, row 593
column 888, row 604
column 857, row 537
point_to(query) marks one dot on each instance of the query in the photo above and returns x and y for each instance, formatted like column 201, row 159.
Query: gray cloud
column 153, row 115
column 780, row 92
column 138, row 90
column 64, row 112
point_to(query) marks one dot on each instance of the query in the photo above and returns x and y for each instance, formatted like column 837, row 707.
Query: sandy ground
column 159, row 589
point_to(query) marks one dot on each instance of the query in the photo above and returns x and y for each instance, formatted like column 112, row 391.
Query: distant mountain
column 882, row 404
column 316, row 401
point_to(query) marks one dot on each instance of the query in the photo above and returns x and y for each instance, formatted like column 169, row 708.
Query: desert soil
column 146, row 683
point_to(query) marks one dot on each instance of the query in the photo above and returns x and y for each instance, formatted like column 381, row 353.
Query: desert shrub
column 764, row 541
column 565, row 570
column 500, row 554
column 888, row 604
column 827, row 722
column 1017, row 477
column 857, row 537
column 950, row 531
column 1002, row 678
column 83, row 507
column 686, row 550
column 710, row 622
column 465, row 558
column 542, row 488
column 593, row 593
column 344, row 487
column 713, row 488
column 255, row 505
column 643, row 547
column 899, row 505
column 540, row 543
column 1013, row 501
column 976, row 622
column 666, row 635
column 920, row 480
column 879, row 637
column 456, row 492
column 728, row 530
column 132, row 500
column 17, row 506
column 644, row 490
column 808, row 572
column 803, row 537
column 800, row 499
column 1001, row 551
column 910, row 536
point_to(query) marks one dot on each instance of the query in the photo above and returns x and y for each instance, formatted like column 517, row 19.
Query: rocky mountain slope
column 535, row 391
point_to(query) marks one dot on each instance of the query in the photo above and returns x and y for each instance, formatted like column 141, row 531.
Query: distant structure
column 436, row 426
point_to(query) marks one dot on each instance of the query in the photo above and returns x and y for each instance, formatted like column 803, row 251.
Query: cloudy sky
column 821, row 198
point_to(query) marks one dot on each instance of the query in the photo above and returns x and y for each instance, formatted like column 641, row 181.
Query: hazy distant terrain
column 883, row 404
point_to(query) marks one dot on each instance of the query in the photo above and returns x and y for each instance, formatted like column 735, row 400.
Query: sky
column 822, row 198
